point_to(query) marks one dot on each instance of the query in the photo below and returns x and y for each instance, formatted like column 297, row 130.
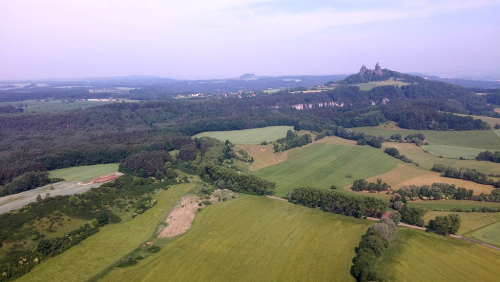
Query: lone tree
column 38, row 198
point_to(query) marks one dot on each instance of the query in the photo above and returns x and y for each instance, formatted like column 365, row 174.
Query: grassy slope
column 255, row 239
column 450, row 204
column 83, row 173
column 323, row 165
column 369, row 85
column 249, row 136
column 419, row 256
column 480, row 139
column 452, row 152
column 426, row 161
column 110, row 244
column 489, row 234
column 470, row 221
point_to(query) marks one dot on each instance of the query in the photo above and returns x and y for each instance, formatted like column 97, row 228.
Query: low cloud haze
column 226, row 38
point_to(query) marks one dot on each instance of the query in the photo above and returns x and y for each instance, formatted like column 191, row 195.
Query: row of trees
column 363, row 185
column 336, row 202
column 395, row 153
column 465, row 174
column 249, row 184
column 436, row 191
column 370, row 248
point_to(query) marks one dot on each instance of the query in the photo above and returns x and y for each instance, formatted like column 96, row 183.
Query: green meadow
column 323, row 165
column 112, row 242
column 83, row 173
column 415, row 255
column 480, row 139
column 452, row 152
column 489, row 234
column 249, row 136
column 34, row 106
column 255, row 239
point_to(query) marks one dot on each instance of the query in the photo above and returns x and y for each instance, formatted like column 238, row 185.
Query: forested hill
column 371, row 77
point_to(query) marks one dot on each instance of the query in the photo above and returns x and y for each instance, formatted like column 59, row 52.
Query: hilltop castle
column 377, row 71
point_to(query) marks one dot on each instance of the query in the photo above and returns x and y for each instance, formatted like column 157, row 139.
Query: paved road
column 17, row 201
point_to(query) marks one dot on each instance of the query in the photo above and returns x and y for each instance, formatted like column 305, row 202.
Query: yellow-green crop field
column 323, row 165
column 255, row 239
column 415, row 255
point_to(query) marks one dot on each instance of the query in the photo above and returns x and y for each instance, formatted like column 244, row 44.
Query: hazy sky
column 226, row 38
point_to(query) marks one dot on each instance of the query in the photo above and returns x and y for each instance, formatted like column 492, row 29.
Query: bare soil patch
column 102, row 179
column 180, row 219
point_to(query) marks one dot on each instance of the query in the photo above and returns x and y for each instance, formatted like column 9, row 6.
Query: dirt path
column 276, row 198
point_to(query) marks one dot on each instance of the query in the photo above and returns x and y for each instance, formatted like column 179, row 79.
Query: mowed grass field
column 249, row 136
column 452, row 152
column 480, row 139
column 415, row 255
column 323, row 165
column 255, row 239
column 83, row 173
column 489, row 234
column 113, row 241
column 426, row 160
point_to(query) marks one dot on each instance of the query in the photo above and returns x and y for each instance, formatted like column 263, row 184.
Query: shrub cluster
column 489, row 156
column 436, row 191
column 395, row 153
column 371, row 247
column 465, row 174
column 27, row 181
column 249, row 184
column 362, row 138
column 336, row 202
column 447, row 224
column 363, row 185
column 409, row 215
column 292, row 140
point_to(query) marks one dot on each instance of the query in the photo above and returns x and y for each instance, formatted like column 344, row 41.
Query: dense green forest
column 110, row 133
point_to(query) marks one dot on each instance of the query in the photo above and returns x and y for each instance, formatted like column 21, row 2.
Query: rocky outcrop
column 377, row 71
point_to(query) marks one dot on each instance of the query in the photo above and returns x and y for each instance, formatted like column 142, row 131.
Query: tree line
column 363, row 185
column 465, row 174
column 335, row 202
column 292, row 140
column 436, row 191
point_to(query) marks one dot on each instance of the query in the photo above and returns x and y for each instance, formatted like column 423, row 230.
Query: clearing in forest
column 415, row 255
column 255, row 239
column 248, row 136
column 323, row 165
column 83, row 173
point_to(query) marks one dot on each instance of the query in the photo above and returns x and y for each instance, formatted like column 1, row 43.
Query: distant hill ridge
column 378, row 74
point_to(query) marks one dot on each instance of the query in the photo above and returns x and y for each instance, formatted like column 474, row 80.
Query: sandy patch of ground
column 102, row 179
column 180, row 219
